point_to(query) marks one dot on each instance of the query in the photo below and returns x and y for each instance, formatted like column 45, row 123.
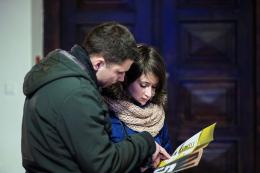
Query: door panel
column 79, row 16
column 211, row 79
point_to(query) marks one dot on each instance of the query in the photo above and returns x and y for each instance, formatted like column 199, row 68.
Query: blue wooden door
column 208, row 50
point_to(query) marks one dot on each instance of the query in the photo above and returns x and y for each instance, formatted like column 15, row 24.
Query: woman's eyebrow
column 147, row 82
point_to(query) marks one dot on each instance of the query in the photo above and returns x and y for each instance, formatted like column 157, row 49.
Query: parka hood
column 55, row 66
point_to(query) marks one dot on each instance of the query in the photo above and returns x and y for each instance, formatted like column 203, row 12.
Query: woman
column 138, row 104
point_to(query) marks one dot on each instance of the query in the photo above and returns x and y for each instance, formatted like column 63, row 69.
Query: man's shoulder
column 74, row 83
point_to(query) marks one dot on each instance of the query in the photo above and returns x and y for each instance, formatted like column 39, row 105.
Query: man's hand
column 159, row 154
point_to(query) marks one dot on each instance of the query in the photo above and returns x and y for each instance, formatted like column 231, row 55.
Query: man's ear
column 97, row 62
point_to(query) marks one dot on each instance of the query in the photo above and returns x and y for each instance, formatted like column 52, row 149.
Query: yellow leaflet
column 197, row 141
column 206, row 136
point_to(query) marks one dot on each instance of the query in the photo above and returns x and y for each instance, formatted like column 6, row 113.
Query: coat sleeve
column 83, row 127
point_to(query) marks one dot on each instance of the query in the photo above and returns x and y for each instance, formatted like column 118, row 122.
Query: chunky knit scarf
column 150, row 118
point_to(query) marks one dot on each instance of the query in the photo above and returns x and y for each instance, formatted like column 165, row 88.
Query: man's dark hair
column 113, row 41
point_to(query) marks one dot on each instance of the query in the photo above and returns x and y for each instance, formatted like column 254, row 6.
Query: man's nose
column 121, row 78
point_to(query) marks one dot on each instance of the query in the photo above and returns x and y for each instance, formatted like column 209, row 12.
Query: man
column 65, row 122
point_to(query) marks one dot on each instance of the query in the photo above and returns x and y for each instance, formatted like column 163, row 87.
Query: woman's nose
column 148, row 92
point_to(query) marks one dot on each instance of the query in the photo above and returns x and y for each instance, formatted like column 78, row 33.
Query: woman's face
column 143, row 88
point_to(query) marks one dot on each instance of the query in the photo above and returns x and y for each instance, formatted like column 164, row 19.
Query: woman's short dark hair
column 149, row 61
column 113, row 41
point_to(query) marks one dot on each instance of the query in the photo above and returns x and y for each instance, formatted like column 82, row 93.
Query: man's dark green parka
column 65, row 121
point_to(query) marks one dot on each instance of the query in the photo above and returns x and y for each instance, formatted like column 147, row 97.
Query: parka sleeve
column 83, row 126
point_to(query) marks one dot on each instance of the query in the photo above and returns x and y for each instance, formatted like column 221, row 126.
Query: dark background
column 211, row 50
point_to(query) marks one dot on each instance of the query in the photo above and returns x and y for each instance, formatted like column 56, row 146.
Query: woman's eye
column 143, row 85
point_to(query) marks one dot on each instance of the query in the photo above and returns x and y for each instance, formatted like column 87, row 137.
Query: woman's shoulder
column 113, row 117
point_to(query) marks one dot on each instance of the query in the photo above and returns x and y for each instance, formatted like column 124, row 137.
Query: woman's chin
column 143, row 103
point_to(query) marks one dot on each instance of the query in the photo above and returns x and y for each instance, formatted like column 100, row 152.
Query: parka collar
column 83, row 58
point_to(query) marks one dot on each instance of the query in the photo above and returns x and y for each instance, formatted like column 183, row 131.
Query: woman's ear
column 97, row 62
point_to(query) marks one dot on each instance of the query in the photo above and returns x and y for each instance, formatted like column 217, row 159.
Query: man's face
column 109, row 74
